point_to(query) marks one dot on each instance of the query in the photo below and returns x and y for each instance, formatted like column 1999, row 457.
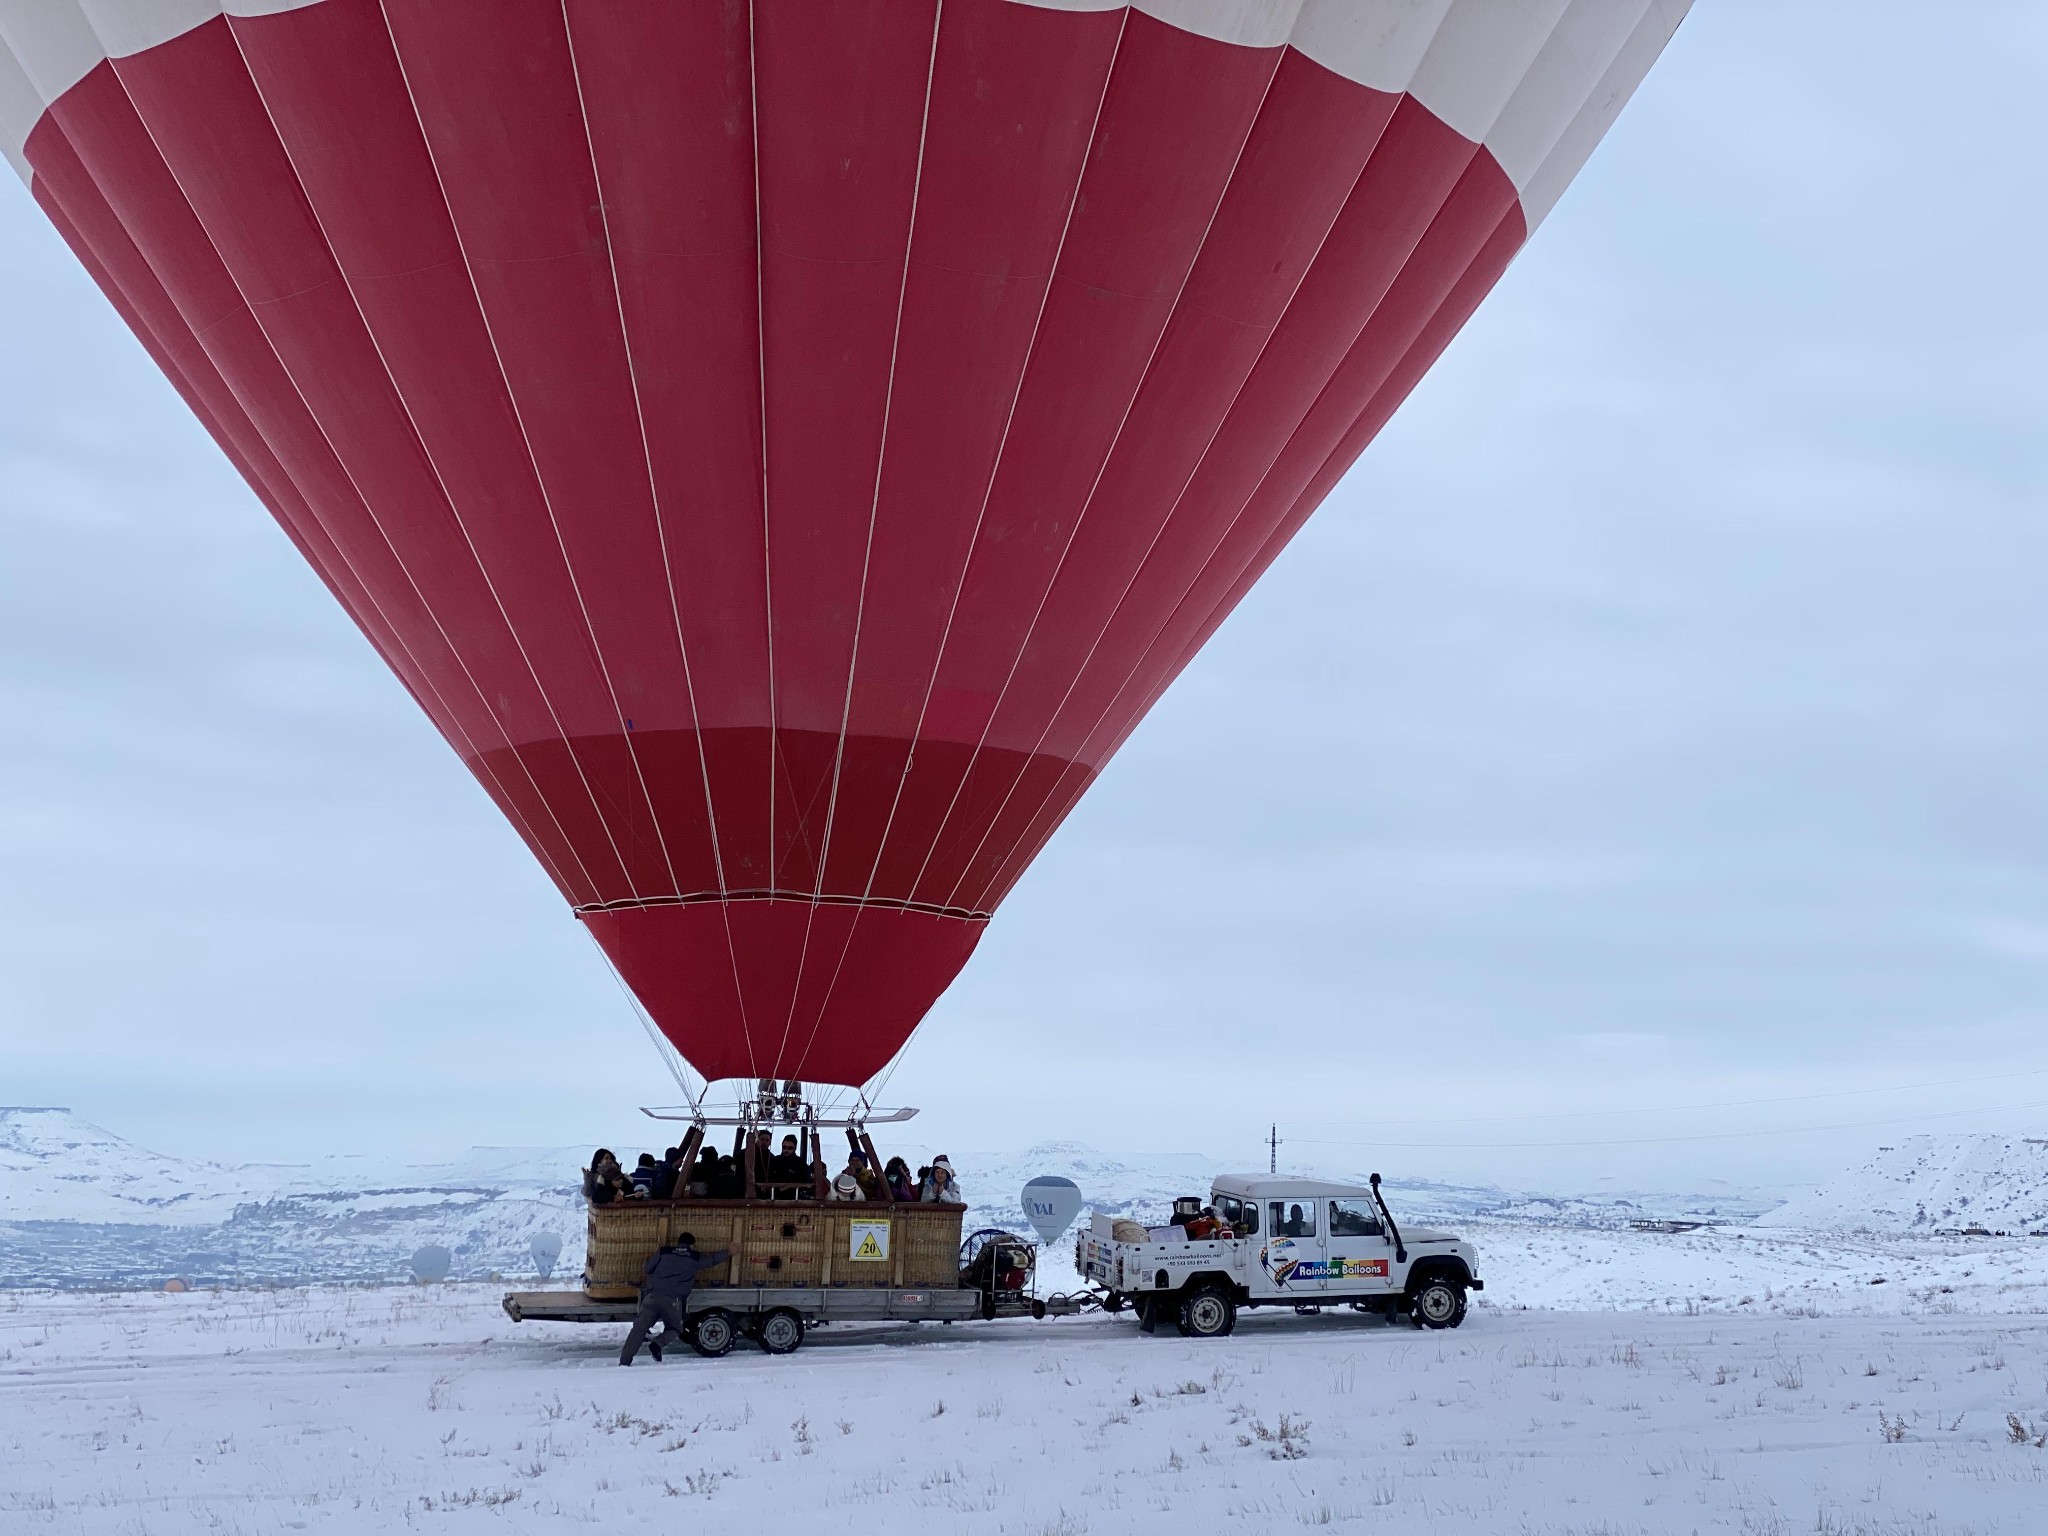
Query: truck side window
column 1293, row 1218
column 1243, row 1215
column 1354, row 1218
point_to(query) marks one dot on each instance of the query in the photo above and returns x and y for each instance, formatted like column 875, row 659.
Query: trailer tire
column 712, row 1332
column 1113, row 1302
column 1438, row 1302
column 781, row 1331
column 1208, row 1312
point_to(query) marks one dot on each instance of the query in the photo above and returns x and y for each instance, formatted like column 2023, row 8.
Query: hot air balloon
column 787, row 445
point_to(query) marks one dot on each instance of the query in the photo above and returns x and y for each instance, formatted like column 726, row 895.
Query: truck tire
column 781, row 1331
column 712, row 1332
column 1208, row 1312
column 1438, row 1302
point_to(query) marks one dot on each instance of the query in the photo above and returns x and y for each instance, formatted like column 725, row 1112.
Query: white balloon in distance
column 545, row 1248
column 1050, row 1204
column 430, row 1264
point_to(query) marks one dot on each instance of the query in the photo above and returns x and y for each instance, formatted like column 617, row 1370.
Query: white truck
column 1301, row 1243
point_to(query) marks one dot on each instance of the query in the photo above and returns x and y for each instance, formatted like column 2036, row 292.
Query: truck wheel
column 1208, row 1312
column 1438, row 1303
column 781, row 1332
column 711, row 1333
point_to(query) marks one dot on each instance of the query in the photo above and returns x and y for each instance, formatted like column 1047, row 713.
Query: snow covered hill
column 1933, row 1184
column 80, row 1206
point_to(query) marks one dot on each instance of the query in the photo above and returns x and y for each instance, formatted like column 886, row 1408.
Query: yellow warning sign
column 869, row 1241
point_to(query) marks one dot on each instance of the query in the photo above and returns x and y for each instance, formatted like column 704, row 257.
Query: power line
column 1790, row 1098
column 1644, row 1141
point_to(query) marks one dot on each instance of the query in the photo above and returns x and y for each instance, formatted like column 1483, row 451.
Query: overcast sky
column 1651, row 725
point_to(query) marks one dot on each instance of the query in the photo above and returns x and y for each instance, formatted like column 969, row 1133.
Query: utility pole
column 1273, row 1149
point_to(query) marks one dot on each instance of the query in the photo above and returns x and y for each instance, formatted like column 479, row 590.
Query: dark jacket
column 673, row 1271
column 789, row 1168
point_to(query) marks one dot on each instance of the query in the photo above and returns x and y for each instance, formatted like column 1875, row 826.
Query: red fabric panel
column 1175, row 119
column 667, row 96
column 693, row 965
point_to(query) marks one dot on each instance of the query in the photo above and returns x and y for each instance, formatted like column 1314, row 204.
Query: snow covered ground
column 1833, row 1365
column 422, row 1409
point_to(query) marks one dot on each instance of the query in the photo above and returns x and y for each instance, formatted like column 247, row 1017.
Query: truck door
column 1242, row 1216
column 1294, row 1257
column 1361, row 1256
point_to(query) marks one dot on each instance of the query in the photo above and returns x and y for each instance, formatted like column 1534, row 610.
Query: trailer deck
column 812, row 1304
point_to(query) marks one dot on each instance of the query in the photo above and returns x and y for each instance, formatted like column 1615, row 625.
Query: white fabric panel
column 129, row 26
column 1565, row 73
column 55, row 44
column 20, row 105
column 1478, row 58
column 1254, row 23
column 1379, row 43
column 1528, row 78
column 1577, row 143
column 1537, row 81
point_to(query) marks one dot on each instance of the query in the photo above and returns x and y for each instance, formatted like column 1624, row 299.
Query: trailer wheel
column 1208, row 1312
column 781, row 1332
column 711, row 1333
column 1438, row 1303
column 1113, row 1302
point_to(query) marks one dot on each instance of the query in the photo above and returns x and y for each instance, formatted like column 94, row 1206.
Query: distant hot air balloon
column 787, row 445
column 1051, row 1203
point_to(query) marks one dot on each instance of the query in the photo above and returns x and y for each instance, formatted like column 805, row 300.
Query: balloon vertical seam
column 867, row 563
column 540, row 480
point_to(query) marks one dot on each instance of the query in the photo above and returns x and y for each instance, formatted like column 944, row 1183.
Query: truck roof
column 1273, row 1186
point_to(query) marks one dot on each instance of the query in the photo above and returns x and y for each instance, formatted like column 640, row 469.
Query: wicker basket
column 777, row 1243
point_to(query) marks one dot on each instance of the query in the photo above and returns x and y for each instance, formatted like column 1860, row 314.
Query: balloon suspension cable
column 670, row 1056
column 889, row 1071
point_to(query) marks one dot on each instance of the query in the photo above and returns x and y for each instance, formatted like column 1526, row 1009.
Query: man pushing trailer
column 665, row 1288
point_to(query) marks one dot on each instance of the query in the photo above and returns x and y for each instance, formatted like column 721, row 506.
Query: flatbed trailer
column 778, row 1317
column 812, row 1306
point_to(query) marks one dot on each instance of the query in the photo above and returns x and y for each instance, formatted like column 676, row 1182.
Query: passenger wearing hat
column 846, row 1187
column 939, row 1186
column 862, row 1175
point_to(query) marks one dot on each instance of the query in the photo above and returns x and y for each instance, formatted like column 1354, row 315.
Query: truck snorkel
column 1400, row 1249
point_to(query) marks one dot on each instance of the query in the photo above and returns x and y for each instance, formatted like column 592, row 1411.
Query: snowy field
column 423, row 1409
